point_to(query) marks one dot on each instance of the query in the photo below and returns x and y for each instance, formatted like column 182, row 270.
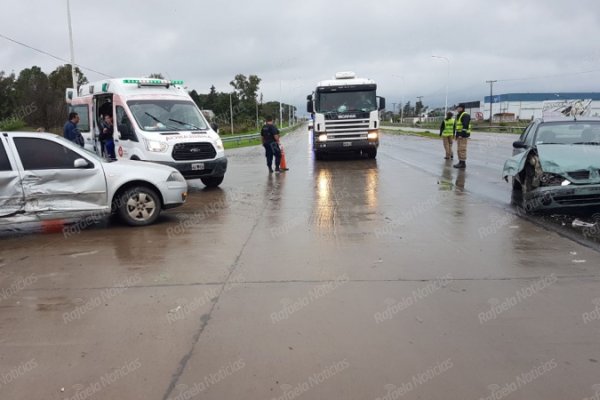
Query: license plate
column 347, row 144
column 198, row 167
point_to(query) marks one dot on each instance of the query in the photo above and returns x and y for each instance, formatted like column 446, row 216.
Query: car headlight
column 219, row 144
column 156, row 146
column 175, row 177
column 549, row 179
column 372, row 135
column 323, row 137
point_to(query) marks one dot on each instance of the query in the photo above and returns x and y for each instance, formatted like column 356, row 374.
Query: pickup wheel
column 212, row 181
column 139, row 206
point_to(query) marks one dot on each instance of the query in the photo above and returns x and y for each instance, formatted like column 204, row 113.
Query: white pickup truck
column 46, row 177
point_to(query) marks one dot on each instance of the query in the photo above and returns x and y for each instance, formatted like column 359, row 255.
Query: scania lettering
column 345, row 113
column 154, row 120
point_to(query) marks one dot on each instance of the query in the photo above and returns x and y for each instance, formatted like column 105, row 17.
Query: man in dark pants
column 71, row 132
column 462, row 132
column 106, row 137
column 270, row 141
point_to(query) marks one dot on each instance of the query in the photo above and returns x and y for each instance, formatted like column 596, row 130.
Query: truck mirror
column 309, row 107
column 381, row 103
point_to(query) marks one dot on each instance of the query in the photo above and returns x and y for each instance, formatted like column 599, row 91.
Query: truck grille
column 193, row 151
column 347, row 129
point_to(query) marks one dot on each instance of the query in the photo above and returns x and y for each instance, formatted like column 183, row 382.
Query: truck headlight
column 219, row 144
column 156, row 146
column 323, row 137
column 372, row 135
column 175, row 177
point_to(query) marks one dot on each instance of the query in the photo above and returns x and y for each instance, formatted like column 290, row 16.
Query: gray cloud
column 298, row 43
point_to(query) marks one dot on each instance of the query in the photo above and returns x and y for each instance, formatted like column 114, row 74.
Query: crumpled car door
column 12, row 199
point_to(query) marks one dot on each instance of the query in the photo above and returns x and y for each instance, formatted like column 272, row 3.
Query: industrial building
column 526, row 106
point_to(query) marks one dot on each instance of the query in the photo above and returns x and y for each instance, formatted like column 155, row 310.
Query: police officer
column 446, row 133
column 270, row 141
column 462, row 132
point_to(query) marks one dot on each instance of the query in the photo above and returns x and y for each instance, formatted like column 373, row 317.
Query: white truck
column 154, row 120
column 345, row 113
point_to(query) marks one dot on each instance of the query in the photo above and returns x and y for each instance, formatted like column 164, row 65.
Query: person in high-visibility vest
column 447, row 133
column 462, row 132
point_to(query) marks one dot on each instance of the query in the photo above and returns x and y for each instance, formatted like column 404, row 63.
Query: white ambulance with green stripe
column 154, row 120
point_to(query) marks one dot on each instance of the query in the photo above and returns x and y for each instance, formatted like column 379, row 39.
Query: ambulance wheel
column 212, row 181
column 139, row 205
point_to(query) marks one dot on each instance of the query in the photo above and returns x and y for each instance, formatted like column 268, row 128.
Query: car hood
column 559, row 159
column 137, row 170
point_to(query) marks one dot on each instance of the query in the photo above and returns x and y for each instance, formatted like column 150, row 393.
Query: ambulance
column 154, row 120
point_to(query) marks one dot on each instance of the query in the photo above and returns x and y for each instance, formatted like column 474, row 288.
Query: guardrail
column 252, row 136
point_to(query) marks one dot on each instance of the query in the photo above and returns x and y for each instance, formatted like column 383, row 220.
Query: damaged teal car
column 556, row 165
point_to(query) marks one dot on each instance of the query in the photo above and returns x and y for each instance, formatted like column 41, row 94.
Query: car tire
column 212, row 181
column 139, row 206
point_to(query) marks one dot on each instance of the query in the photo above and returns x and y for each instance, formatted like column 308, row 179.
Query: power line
column 52, row 55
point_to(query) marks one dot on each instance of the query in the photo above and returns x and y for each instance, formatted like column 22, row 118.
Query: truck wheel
column 212, row 181
column 139, row 206
column 318, row 155
column 372, row 153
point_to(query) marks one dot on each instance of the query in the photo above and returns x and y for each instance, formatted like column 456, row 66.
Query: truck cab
column 345, row 111
column 154, row 120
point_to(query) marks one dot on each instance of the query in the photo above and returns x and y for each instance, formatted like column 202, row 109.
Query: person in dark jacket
column 106, row 137
column 71, row 132
column 270, row 141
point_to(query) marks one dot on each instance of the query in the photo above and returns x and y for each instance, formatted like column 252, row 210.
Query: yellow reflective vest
column 459, row 125
column 448, row 127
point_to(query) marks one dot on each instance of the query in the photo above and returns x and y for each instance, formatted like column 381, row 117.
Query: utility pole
column 491, row 97
column 73, row 74
column 447, row 80
column 393, row 110
column 231, row 112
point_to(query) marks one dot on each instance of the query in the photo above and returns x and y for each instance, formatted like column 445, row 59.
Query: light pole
column 447, row 80
column 491, row 98
column 231, row 112
column 73, row 74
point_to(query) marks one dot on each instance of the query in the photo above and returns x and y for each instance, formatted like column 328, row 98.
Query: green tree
column 32, row 92
column 8, row 101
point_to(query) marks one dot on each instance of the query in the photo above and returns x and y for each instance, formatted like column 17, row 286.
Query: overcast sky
column 527, row 45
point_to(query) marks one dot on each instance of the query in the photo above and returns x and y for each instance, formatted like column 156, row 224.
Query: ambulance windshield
column 166, row 115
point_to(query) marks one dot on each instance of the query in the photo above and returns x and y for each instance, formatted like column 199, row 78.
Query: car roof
column 29, row 133
column 550, row 120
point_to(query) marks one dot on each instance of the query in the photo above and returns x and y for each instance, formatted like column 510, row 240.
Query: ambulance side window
column 84, row 117
column 125, row 126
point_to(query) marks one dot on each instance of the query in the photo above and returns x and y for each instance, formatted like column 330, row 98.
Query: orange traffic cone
column 283, row 165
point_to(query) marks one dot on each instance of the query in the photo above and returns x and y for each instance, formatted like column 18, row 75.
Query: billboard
column 567, row 108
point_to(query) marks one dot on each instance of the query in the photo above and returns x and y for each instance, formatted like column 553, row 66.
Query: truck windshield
column 166, row 115
column 345, row 101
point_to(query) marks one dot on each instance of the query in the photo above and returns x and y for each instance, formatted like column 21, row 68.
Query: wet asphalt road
column 343, row 279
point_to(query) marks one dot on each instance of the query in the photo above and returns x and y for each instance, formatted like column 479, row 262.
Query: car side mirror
column 519, row 145
column 81, row 163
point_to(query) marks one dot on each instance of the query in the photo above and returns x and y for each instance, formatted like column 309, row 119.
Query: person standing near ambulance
column 270, row 141
column 446, row 133
column 462, row 132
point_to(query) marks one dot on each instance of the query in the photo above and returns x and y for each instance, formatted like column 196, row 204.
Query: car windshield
column 571, row 132
column 166, row 115
column 358, row 101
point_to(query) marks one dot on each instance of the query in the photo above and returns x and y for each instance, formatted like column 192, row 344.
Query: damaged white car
column 45, row 177
column 556, row 164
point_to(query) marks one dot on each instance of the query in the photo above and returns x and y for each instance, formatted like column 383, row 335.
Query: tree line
column 33, row 99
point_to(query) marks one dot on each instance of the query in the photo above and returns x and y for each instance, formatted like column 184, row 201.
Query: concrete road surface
column 344, row 279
